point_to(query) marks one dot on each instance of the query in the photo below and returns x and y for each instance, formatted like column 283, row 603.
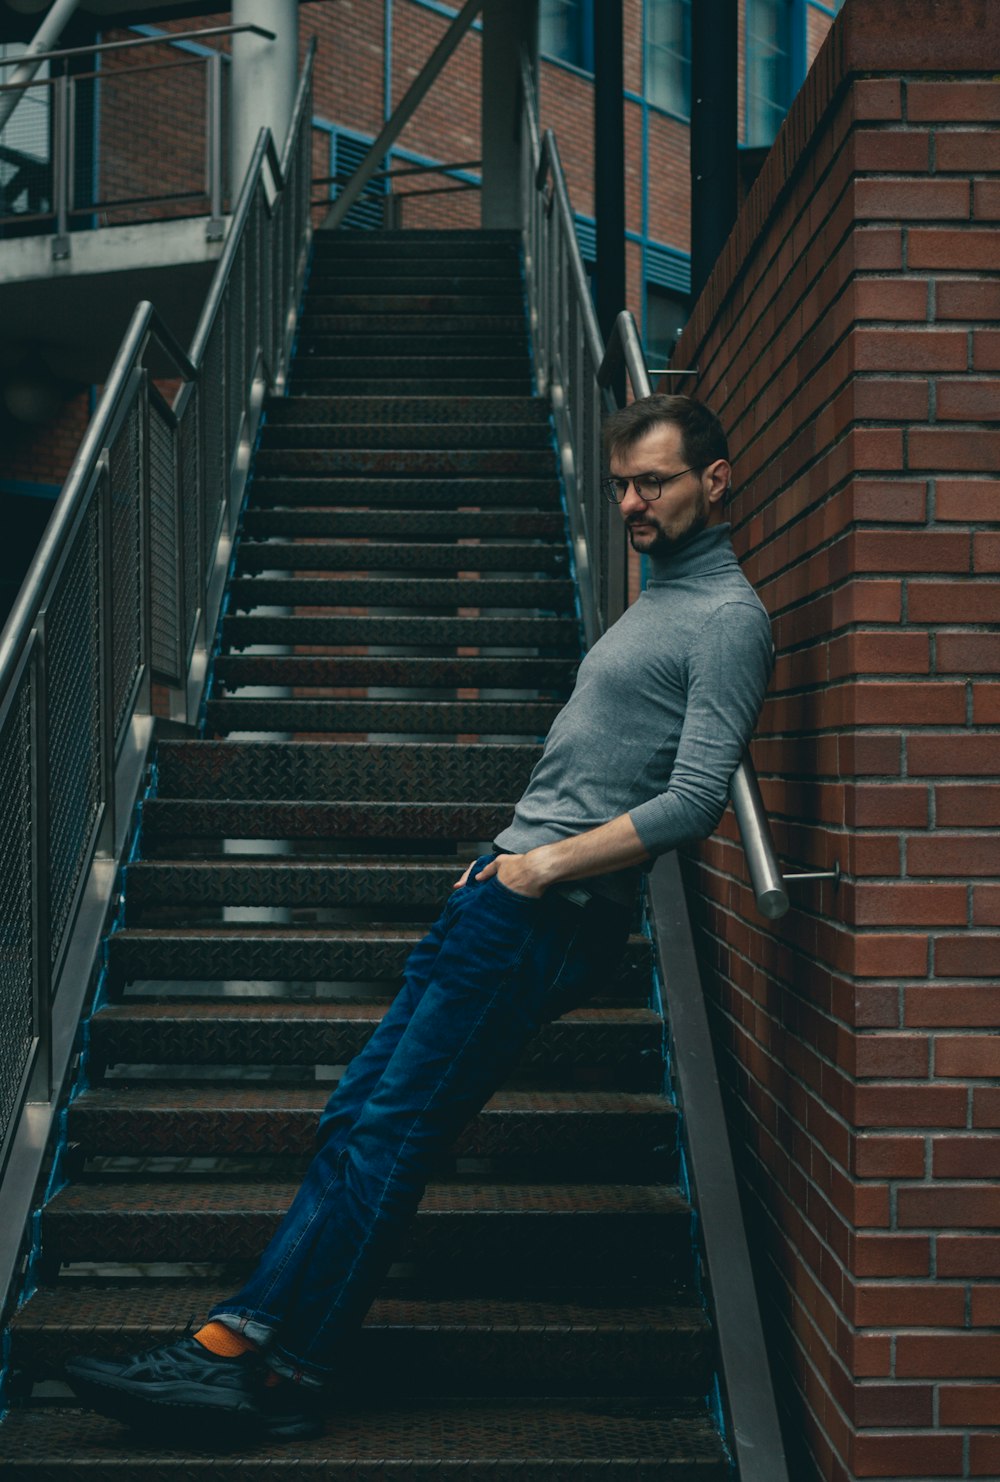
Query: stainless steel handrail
column 578, row 372
column 144, row 524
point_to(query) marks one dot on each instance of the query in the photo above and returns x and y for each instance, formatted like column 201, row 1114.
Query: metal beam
column 714, row 53
column 49, row 31
column 609, row 168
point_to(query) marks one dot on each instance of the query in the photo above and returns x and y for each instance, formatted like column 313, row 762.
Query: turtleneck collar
column 710, row 550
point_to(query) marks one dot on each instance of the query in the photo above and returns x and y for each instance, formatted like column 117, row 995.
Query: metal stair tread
column 229, row 1099
column 181, row 1009
column 507, row 1436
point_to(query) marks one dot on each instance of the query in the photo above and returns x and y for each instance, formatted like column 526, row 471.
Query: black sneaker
column 183, row 1383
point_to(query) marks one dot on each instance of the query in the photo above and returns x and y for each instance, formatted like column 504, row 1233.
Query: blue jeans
column 492, row 969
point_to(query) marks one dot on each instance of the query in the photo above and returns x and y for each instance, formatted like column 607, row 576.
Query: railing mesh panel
column 126, row 557
column 73, row 683
column 190, row 507
column 164, row 548
column 212, row 411
column 235, row 354
column 16, row 977
column 251, row 317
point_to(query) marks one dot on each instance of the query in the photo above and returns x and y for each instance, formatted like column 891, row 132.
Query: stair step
column 414, row 1344
column 506, row 298
column 408, row 436
column 420, row 887
column 409, row 321
column 446, row 381
column 622, row 1134
column 406, row 772
column 377, row 463
column 586, row 1231
column 416, row 242
column 298, row 954
column 549, row 633
column 228, row 819
column 402, row 525
column 389, row 411
column 384, row 718
column 369, row 555
column 537, row 492
column 286, row 1032
column 492, row 1438
column 338, row 672
column 400, row 592
column 391, row 365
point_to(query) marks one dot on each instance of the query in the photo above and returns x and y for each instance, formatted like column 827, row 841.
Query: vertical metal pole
column 609, row 169
column 213, row 148
column 144, row 698
column 714, row 56
column 106, row 664
column 60, row 167
column 40, row 1087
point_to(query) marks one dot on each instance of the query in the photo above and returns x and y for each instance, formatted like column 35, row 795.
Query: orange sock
column 219, row 1339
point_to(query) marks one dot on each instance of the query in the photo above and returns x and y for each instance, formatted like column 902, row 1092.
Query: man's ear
column 716, row 479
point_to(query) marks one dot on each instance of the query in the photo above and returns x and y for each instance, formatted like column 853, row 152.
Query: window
column 566, row 31
column 668, row 55
column 769, row 68
column 666, row 315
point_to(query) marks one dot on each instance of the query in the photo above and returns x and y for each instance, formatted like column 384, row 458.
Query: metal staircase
column 399, row 631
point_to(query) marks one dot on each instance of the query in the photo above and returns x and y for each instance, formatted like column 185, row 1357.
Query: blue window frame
column 668, row 55
column 566, row 32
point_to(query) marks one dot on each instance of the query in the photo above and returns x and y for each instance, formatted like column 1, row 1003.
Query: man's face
column 686, row 504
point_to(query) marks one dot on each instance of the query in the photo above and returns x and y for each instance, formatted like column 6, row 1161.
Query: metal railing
column 124, row 592
column 398, row 208
column 577, row 370
column 85, row 148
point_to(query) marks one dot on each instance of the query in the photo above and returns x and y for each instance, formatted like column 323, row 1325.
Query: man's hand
column 519, row 872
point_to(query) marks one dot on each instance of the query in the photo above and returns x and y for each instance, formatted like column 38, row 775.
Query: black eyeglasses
column 648, row 486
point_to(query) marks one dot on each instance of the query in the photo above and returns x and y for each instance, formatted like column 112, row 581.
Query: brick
column 906, row 1456
column 947, row 1205
column 866, row 753
column 965, row 149
column 877, row 703
column 986, row 704
column 879, row 1056
column 891, row 401
column 878, row 98
column 986, row 551
column 883, row 1405
column 965, row 1157
column 974, row 955
column 910, row 1106
column 986, row 1310
column 959, row 102
column 968, row 1255
column 910, row 550
column 944, row 1356
column 986, row 200
column 892, row 151
column 890, row 298
column 984, row 1455
column 962, row 805
column 953, row 854
column 920, row 200
column 880, row 805
column 893, row 1255
column 908, row 349
column 956, row 756
column 967, row 653
column 968, row 298
column 953, row 602
column 986, row 1107
column 887, row 955
column 986, row 901
column 969, row 1404
column 951, row 247
column 968, row 401
column 968, row 1055
column 986, row 349
column 907, row 905
column 952, row 1005
column 878, row 248
column 874, row 1155
column 885, row 500
column 971, row 500
column 942, row 448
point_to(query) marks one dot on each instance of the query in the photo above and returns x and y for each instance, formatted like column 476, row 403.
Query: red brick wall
column 850, row 340
column 42, row 455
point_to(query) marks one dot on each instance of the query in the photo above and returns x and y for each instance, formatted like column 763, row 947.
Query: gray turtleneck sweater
column 664, row 705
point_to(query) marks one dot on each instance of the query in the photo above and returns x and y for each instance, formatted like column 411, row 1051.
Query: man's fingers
column 464, row 876
column 487, row 870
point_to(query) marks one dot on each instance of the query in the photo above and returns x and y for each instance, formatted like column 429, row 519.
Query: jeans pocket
column 515, row 895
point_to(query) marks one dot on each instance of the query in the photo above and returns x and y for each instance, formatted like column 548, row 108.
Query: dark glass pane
column 768, row 68
column 561, row 31
column 668, row 55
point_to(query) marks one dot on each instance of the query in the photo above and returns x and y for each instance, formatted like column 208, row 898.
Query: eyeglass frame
column 609, row 482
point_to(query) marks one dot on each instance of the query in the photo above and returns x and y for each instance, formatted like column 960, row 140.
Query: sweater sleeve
column 729, row 667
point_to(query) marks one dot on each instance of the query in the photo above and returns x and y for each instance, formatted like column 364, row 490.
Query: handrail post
column 214, row 229
column 41, row 1074
column 105, row 660
column 61, row 167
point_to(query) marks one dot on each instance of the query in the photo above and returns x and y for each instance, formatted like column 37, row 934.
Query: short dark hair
column 702, row 438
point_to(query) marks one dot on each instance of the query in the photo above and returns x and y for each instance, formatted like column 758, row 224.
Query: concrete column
column 507, row 26
column 264, row 77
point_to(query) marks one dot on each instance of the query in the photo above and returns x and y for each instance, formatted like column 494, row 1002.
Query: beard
column 662, row 542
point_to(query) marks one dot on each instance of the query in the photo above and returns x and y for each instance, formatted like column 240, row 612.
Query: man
column 637, row 763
